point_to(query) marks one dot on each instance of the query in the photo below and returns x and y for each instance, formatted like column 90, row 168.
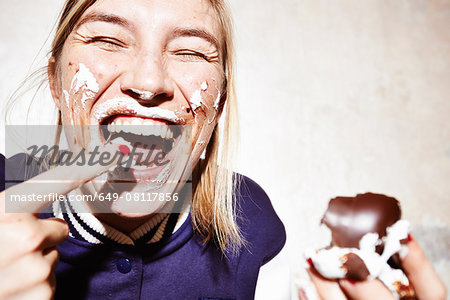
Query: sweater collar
column 86, row 227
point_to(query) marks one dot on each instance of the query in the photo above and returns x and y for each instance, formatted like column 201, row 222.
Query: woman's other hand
column 420, row 272
column 28, row 253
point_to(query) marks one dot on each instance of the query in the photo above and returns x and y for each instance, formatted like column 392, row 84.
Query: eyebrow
column 177, row 31
column 195, row 32
column 108, row 18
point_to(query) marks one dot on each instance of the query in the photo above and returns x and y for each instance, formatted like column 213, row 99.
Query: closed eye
column 192, row 55
column 107, row 42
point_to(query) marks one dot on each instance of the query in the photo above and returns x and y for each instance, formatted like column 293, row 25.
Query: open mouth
column 159, row 140
column 141, row 132
column 151, row 140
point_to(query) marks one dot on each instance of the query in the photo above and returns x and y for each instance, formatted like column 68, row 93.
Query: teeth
column 138, row 127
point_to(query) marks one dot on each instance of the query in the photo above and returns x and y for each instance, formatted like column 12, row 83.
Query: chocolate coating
column 356, row 269
column 350, row 218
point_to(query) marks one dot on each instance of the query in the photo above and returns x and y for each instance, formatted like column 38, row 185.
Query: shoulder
column 260, row 224
column 2, row 172
column 17, row 168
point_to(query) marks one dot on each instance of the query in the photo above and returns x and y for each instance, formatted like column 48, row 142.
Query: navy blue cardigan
column 179, row 267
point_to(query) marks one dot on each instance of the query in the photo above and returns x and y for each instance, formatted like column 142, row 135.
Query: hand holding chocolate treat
column 368, row 235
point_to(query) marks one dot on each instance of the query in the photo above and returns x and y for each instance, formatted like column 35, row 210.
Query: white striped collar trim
column 112, row 233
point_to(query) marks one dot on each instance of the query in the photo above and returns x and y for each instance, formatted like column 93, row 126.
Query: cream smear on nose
column 144, row 95
column 85, row 80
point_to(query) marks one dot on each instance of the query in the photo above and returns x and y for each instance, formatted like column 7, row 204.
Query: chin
column 137, row 209
column 134, row 216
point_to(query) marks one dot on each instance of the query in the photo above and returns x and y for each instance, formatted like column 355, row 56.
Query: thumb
column 421, row 273
column 365, row 290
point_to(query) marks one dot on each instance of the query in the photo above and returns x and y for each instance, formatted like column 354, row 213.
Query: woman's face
column 147, row 63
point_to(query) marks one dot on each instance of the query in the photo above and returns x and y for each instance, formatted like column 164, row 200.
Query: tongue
column 143, row 142
column 145, row 148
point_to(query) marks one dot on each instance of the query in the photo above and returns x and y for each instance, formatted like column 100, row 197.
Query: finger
column 51, row 255
column 38, row 193
column 327, row 289
column 23, row 274
column 421, row 273
column 30, row 235
column 366, row 290
column 56, row 231
column 43, row 291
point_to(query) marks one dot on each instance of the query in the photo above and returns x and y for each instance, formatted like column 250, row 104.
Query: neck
column 124, row 225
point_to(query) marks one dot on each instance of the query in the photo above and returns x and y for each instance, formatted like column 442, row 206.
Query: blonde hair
column 214, row 207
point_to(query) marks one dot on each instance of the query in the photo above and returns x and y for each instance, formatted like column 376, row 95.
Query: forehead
column 157, row 15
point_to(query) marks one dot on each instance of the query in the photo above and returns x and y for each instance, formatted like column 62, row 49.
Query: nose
column 147, row 80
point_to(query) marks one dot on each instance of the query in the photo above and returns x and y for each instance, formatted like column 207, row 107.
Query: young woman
column 165, row 65
column 154, row 64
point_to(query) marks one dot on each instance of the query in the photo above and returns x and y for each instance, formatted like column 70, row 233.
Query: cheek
column 201, row 91
column 82, row 82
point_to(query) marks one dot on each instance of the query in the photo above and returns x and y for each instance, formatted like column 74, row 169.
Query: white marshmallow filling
column 329, row 262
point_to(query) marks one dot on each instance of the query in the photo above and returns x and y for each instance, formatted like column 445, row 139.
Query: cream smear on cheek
column 204, row 86
column 203, row 155
column 66, row 98
column 196, row 99
column 85, row 80
column 85, row 84
column 217, row 101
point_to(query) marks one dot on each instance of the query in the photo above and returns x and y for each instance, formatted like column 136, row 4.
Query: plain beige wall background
column 336, row 98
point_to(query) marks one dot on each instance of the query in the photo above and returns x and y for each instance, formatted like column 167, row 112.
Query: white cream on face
column 66, row 98
column 134, row 108
column 144, row 95
column 204, row 86
column 203, row 155
column 196, row 98
column 85, row 80
column 217, row 101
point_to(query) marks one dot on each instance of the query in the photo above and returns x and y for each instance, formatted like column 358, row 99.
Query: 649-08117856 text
column 135, row 197
column 151, row 197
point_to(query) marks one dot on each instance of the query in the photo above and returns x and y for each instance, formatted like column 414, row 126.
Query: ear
column 53, row 82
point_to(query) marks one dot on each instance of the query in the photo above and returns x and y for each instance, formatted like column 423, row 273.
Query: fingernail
column 310, row 262
column 352, row 281
column 125, row 150
column 410, row 238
